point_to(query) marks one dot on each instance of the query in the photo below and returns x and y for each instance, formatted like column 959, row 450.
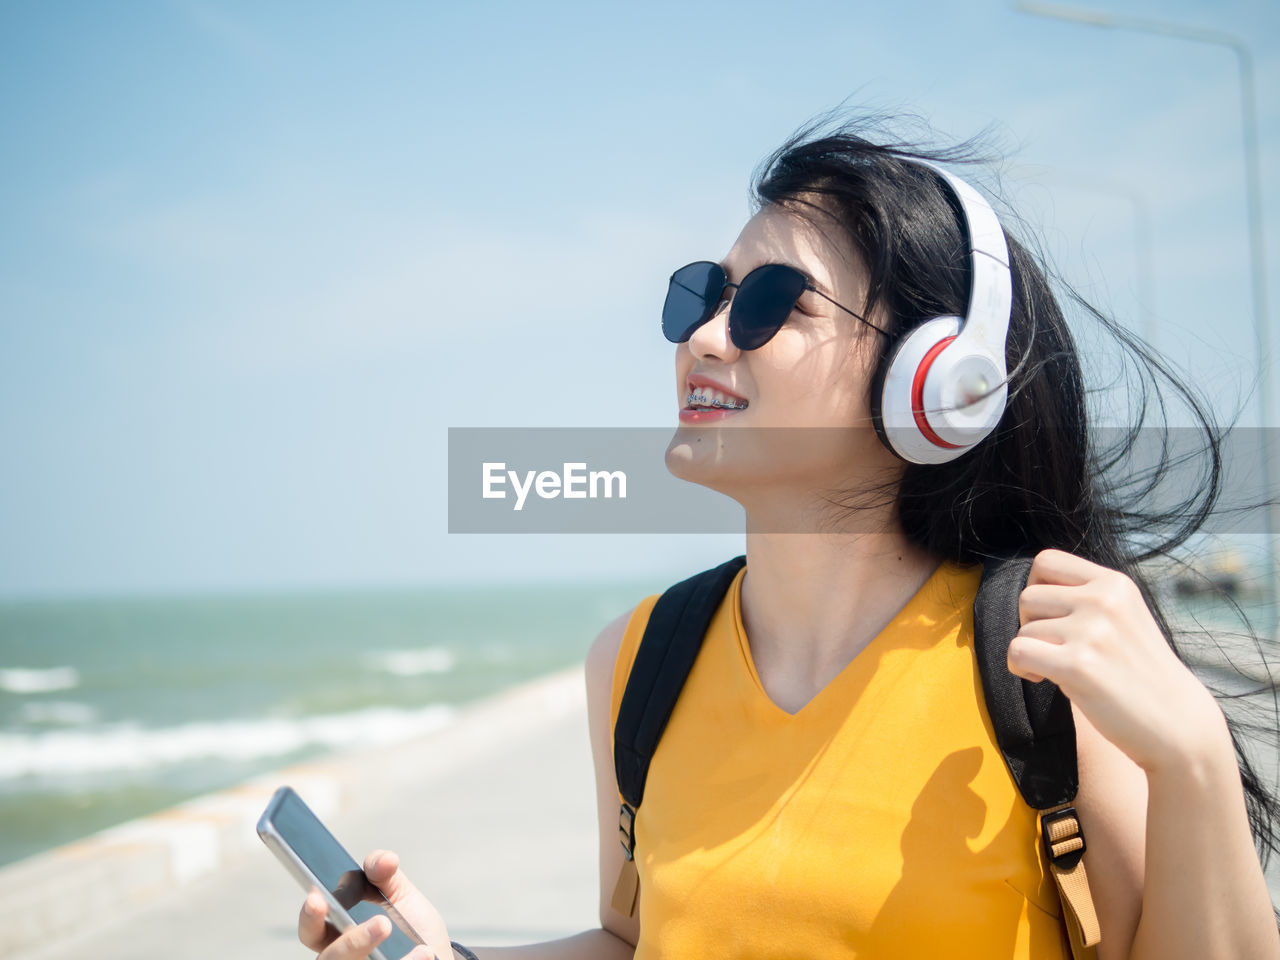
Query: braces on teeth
column 704, row 400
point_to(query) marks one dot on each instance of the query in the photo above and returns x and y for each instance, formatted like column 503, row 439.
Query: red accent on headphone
column 917, row 396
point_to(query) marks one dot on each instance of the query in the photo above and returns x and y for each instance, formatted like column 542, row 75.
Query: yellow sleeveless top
column 879, row 821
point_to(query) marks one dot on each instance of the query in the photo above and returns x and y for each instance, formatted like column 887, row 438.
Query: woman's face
column 809, row 385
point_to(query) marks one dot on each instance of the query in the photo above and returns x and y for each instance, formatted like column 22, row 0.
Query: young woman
column 829, row 786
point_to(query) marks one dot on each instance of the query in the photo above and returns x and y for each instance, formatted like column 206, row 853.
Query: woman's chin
column 726, row 460
column 690, row 456
column 700, row 455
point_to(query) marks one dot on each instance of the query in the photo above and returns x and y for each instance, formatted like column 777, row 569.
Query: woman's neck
column 812, row 601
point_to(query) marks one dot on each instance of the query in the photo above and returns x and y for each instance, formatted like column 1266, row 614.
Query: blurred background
column 257, row 258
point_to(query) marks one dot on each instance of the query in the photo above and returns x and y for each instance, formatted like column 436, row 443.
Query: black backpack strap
column 1033, row 722
column 667, row 651
column 1036, row 734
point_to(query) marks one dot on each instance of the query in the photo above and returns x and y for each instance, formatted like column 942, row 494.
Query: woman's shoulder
column 603, row 652
column 618, row 639
column 613, row 652
column 610, row 657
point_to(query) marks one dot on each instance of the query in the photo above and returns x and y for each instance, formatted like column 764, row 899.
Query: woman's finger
column 382, row 867
column 1060, row 567
column 1034, row 659
column 356, row 943
column 1045, row 601
column 1056, row 630
column 314, row 933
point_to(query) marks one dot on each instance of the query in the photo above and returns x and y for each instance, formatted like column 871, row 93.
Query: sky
column 256, row 258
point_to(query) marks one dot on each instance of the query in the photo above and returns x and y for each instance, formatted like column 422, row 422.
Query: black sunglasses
column 765, row 298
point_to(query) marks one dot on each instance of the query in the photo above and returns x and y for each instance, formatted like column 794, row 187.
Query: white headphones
column 943, row 389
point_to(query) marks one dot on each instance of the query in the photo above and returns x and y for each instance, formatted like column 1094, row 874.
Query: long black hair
column 1043, row 478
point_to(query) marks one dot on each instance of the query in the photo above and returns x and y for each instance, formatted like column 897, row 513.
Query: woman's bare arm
column 1170, row 856
column 1112, row 803
column 600, row 661
column 1205, row 894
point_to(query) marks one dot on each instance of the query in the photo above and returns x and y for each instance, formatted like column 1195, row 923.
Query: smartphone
column 318, row 861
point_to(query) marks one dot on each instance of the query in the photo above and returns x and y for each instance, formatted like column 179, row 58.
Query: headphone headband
column 990, row 290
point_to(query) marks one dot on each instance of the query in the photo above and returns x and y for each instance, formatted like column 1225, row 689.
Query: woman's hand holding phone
column 382, row 867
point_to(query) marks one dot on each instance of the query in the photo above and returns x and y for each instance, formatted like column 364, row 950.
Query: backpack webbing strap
column 1037, row 734
column 626, row 890
column 667, row 651
column 1064, row 844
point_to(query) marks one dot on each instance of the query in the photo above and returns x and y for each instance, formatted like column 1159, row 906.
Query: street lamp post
column 1118, row 189
column 1253, row 188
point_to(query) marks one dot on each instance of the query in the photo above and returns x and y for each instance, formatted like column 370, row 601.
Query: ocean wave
column 57, row 713
column 28, row 680
column 413, row 663
column 127, row 747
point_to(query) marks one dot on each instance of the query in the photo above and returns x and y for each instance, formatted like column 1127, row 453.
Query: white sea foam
column 28, row 680
column 413, row 663
column 127, row 747
column 61, row 713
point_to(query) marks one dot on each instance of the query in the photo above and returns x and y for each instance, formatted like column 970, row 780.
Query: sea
column 115, row 707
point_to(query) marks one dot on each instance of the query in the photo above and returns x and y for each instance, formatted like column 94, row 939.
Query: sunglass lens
column 764, row 301
column 692, row 296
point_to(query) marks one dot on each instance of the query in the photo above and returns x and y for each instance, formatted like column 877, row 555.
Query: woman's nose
column 712, row 338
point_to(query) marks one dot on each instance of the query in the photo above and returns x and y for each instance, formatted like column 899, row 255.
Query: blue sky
column 257, row 258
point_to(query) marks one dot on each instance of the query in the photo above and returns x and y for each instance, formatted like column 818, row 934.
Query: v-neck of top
column 916, row 612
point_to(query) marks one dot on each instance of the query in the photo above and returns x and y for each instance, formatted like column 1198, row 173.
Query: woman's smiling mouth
column 707, row 399
column 703, row 398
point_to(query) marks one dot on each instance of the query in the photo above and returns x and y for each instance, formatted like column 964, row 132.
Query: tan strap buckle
column 627, row 831
column 1062, row 836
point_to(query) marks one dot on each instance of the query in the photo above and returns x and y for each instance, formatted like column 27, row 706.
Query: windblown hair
column 1043, row 478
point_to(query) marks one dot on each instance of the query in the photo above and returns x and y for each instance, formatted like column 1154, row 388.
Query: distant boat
column 1222, row 572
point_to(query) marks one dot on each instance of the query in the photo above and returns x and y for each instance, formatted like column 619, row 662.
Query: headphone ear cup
column 901, row 420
